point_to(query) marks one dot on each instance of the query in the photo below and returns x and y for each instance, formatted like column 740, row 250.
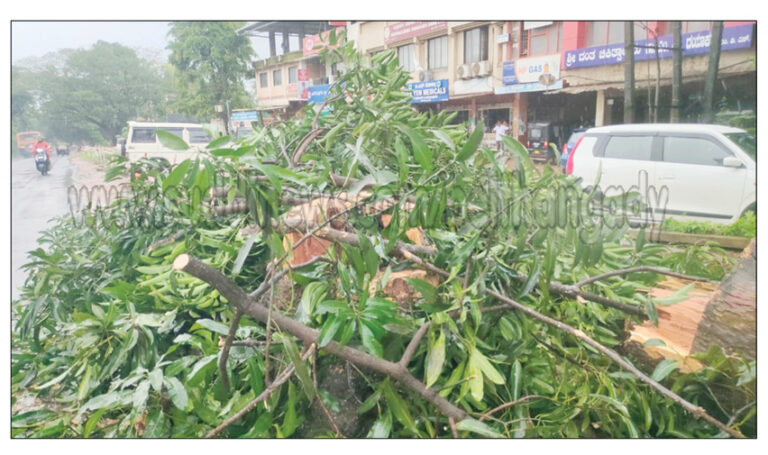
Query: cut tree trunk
column 724, row 315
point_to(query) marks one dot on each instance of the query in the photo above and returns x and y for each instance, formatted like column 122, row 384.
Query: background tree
column 212, row 63
column 90, row 96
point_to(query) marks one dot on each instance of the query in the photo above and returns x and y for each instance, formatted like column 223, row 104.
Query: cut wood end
column 181, row 262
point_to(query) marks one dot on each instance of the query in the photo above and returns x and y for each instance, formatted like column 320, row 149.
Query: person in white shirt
column 500, row 129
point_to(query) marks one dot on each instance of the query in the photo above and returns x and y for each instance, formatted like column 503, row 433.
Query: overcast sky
column 36, row 39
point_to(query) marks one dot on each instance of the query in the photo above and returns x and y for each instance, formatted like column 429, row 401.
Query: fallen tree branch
column 412, row 345
column 697, row 411
column 240, row 299
column 642, row 268
column 304, row 144
column 510, row 404
column 227, row 345
column 284, row 376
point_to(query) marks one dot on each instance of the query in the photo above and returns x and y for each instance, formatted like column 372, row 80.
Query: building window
column 690, row 27
column 476, row 45
column 277, row 77
column 405, row 57
column 601, row 33
column 293, row 74
column 437, row 52
column 543, row 40
column 263, row 80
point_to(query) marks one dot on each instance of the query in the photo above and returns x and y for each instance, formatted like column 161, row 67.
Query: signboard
column 245, row 116
column 404, row 30
column 314, row 44
column 738, row 37
column 318, row 93
column 526, row 70
column 302, row 89
column 429, row 91
column 528, row 87
column 302, row 75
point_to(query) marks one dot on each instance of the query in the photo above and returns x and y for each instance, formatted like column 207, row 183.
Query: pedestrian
column 499, row 131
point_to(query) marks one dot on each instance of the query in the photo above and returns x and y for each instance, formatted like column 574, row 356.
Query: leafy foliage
column 211, row 63
column 128, row 347
column 746, row 226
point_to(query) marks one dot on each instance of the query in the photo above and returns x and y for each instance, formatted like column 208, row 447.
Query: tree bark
column 730, row 319
column 629, row 72
column 711, row 78
column 677, row 71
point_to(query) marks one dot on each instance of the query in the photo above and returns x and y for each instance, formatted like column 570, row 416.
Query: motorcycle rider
column 42, row 144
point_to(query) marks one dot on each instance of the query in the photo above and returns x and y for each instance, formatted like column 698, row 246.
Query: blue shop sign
column 429, row 91
column 319, row 93
column 738, row 37
column 245, row 116
column 508, row 75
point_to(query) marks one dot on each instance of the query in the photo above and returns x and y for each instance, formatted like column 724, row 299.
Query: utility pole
column 629, row 72
column 677, row 71
column 714, row 61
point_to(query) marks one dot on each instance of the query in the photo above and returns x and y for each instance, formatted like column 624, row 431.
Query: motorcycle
column 41, row 161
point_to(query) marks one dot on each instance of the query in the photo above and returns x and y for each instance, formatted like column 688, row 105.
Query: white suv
column 684, row 171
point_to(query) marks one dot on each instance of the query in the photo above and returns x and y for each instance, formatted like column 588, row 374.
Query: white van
column 142, row 141
column 684, row 171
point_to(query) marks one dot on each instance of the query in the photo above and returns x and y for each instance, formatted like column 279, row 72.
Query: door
column 626, row 166
column 698, row 184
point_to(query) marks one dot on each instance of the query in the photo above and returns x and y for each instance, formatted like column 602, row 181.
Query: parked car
column 684, row 171
column 575, row 136
column 142, row 141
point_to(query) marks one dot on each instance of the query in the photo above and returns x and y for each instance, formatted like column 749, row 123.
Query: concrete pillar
column 520, row 116
column 272, row 44
column 600, row 108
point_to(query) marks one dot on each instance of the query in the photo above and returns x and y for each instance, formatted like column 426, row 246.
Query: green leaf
column 435, row 360
column 487, row 368
column 367, row 336
column 213, row 326
column 105, row 400
column 302, row 371
column 93, row 422
column 619, row 406
column 471, row 145
column 425, row 288
column 517, row 380
column 156, row 379
column 243, row 253
column 31, row 418
column 177, row 393
column 663, row 369
column 85, row 384
column 421, row 152
column 329, row 329
column 140, row 395
column 677, row 296
column 475, row 426
column 218, row 142
column 398, row 406
column 171, row 141
column 654, row 342
column 531, row 282
column 176, row 175
column 229, row 152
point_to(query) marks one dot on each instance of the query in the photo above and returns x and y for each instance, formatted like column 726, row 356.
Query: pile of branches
column 244, row 294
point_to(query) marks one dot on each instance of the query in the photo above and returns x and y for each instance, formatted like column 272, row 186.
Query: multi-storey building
column 566, row 73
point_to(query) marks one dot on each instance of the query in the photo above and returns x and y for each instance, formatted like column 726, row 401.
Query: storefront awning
column 576, row 89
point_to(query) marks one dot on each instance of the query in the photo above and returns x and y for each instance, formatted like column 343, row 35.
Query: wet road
column 35, row 199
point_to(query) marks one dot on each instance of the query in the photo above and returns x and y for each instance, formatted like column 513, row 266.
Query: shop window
column 277, row 77
column 437, row 52
column 690, row 27
column 263, row 80
column 601, row 33
column 405, row 57
column 293, row 74
column 476, row 45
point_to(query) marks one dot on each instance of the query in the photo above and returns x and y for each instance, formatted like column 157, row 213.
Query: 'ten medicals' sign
column 429, row 91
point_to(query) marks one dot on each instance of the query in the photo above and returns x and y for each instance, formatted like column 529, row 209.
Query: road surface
column 35, row 199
